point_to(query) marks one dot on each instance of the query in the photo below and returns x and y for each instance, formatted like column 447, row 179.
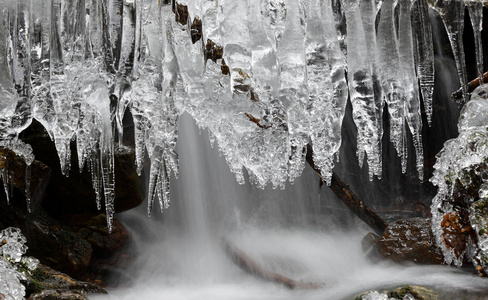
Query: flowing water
column 299, row 232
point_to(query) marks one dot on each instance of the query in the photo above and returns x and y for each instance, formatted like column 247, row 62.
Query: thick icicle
column 236, row 44
column 294, row 90
column 452, row 15
column 410, row 83
column 393, row 89
column 42, row 103
column 425, row 54
column 361, row 90
column 369, row 10
column 475, row 8
column 322, row 111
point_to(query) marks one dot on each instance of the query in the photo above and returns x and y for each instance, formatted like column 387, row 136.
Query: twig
column 249, row 265
column 344, row 193
column 458, row 95
column 257, row 121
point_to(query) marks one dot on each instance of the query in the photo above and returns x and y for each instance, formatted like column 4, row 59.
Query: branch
column 257, row 121
column 344, row 193
column 249, row 265
column 458, row 95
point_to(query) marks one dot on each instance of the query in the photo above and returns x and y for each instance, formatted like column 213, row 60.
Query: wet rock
column 47, row 283
column 75, row 194
column 410, row 240
column 406, row 292
column 16, row 168
column 57, row 295
column 58, row 247
column 107, row 247
column 369, row 244
column 479, row 222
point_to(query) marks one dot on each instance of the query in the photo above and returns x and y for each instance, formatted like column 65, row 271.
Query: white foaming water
column 181, row 254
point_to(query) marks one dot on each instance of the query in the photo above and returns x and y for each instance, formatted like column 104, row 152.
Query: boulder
column 16, row 167
column 403, row 292
column 79, row 245
column 46, row 283
column 75, row 194
column 410, row 240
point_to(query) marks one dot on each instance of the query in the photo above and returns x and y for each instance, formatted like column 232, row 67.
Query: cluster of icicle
column 12, row 249
column 265, row 77
column 459, row 166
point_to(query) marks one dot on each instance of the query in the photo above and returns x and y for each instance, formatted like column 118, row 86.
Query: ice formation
column 459, row 210
column 265, row 77
column 12, row 249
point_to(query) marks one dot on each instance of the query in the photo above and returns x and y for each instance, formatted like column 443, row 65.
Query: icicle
column 5, row 178
column 236, row 45
column 369, row 10
column 410, row 85
column 27, row 187
column 340, row 95
column 361, row 90
column 294, row 91
column 389, row 62
column 452, row 15
column 475, row 8
column 130, row 31
column 320, row 90
column 108, row 176
column 42, row 103
column 425, row 54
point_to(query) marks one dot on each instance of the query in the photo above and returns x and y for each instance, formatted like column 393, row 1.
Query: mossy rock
column 479, row 222
column 47, row 283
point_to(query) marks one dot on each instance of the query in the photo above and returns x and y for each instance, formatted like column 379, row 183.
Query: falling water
column 180, row 254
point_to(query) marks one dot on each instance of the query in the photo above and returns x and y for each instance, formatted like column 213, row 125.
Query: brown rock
column 57, row 247
column 47, row 283
column 410, row 240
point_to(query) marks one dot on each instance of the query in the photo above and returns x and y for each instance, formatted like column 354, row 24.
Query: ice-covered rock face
column 461, row 173
column 12, row 249
column 265, row 77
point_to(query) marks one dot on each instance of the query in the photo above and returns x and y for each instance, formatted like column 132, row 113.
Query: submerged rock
column 409, row 240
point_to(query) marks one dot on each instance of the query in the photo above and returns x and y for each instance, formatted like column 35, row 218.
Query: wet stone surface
column 409, row 240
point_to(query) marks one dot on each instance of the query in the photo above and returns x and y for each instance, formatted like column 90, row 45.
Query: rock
column 405, row 292
column 75, row 194
column 57, row 295
column 410, row 240
column 16, row 167
column 479, row 222
column 79, row 245
column 369, row 244
column 56, row 246
column 47, row 283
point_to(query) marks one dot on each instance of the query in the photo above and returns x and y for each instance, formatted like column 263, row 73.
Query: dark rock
column 57, row 295
column 57, row 247
column 410, row 240
column 16, row 170
column 405, row 292
column 75, row 194
column 79, row 245
column 47, row 283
